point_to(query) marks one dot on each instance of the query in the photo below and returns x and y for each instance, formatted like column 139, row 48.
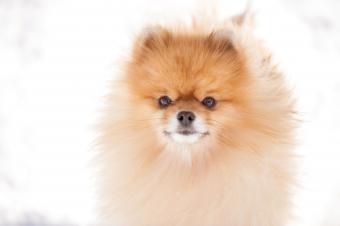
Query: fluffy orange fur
column 238, row 175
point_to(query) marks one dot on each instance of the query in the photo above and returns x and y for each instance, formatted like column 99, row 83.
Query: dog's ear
column 153, row 38
column 221, row 40
column 224, row 38
column 245, row 19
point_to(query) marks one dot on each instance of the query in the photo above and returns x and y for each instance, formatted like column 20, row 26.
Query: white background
column 56, row 57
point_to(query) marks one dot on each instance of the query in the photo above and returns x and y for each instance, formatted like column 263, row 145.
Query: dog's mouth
column 185, row 132
column 185, row 135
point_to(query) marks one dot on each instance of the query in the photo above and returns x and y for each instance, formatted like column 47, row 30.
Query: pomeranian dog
column 198, row 131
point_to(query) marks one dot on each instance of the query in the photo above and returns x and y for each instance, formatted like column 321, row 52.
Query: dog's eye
column 209, row 102
column 164, row 101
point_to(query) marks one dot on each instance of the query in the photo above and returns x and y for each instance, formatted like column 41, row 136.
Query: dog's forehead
column 190, row 79
column 194, row 87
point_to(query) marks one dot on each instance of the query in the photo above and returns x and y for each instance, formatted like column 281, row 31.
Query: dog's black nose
column 185, row 118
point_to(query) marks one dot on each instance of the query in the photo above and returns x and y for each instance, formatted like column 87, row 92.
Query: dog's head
column 192, row 85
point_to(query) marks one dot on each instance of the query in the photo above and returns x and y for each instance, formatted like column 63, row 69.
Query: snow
column 57, row 56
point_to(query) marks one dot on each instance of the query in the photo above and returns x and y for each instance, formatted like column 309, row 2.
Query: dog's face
column 190, row 85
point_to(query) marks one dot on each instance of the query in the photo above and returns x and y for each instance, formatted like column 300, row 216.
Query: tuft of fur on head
column 235, row 170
